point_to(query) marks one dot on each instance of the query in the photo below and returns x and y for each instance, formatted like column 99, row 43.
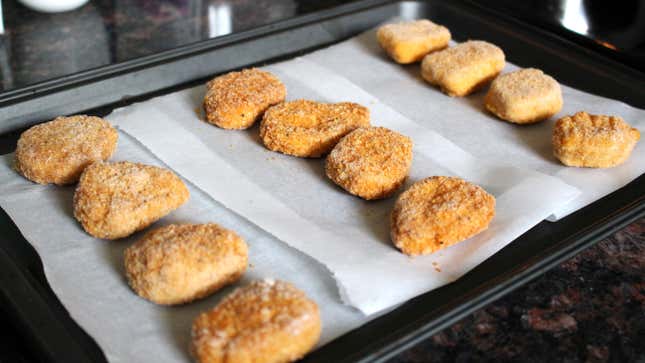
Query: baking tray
column 54, row 336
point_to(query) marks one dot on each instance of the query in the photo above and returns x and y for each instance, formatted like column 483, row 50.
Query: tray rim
column 45, row 87
column 410, row 335
column 99, row 73
column 112, row 84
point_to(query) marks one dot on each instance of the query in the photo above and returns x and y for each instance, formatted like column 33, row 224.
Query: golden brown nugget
column 593, row 141
column 57, row 151
column 264, row 322
column 310, row 129
column 237, row 99
column 464, row 68
column 438, row 212
column 410, row 41
column 371, row 163
column 180, row 263
column 114, row 200
column 524, row 96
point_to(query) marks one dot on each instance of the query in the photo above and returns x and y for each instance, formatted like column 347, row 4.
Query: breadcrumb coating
column 593, row 141
column 58, row 151
column 524, row 96
column 409, row 41
column 438, row 212
column 464, row 68
column 179, row 263
column 237, row 99
column 371, row 163
column 114, row 200
column 265, row 321
column 308, row 128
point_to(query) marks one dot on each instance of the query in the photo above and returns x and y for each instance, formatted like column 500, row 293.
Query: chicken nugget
column 264, row 322
column 237, row 99
column 114, row 200
column 409, row 41
column 438, row 212
column 180, row 263
column 371, row 163
column 464, row 68
column 310, row 129
column 57, row 151
column 524, row 96
column 593, row 141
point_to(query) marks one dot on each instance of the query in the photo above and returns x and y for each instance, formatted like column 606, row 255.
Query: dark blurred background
column 110, row 31
column 35, row 46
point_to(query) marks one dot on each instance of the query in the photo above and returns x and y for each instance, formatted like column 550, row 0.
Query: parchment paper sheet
column 465, row 121
column 292, row 199
column 87, row 273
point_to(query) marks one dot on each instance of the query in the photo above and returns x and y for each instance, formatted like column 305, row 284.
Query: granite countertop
column 590, row 308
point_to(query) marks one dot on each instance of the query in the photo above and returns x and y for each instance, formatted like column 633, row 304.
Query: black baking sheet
column 33, row 307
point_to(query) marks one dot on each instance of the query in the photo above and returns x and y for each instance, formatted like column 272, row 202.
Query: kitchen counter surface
column 590, row 308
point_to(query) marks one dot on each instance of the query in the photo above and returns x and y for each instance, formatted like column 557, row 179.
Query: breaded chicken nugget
column 593, row 141
column 410, row 41
column 57, row 151
column 310, row 129
column 524, row 96
column 370, row 162
column 237, row 99
column 264, row 322
column 114, row 200
column 180, row 263
column 464, row 68
column 438, row 212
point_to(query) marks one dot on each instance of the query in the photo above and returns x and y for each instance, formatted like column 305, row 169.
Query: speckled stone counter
column 590, row 308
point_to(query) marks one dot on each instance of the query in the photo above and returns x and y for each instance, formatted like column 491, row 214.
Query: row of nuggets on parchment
column 367, row 161
column 265, row 321
column 524, row 96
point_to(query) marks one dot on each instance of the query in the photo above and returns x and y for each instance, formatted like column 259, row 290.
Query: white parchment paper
column 465, row 121
column 87, row 273
column 292, row 199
